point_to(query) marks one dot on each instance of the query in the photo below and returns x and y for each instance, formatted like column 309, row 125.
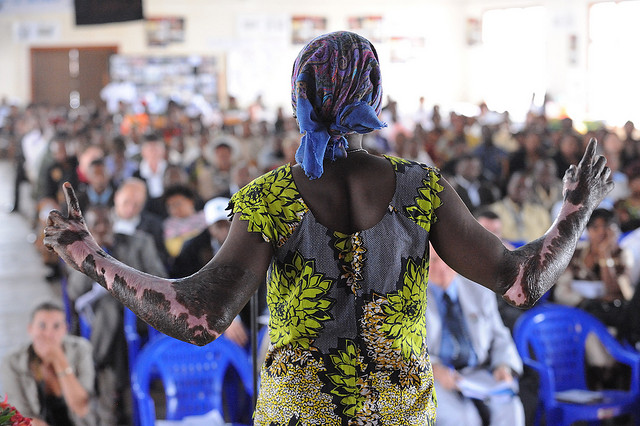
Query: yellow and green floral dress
column 347, row 311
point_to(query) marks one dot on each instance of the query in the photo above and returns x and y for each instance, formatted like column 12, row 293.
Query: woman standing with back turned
column 345, row 237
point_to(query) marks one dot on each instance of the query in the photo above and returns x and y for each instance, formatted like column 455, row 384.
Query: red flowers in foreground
column 9, row 415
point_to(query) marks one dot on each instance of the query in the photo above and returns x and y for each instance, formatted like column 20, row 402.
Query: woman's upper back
column 352, row 195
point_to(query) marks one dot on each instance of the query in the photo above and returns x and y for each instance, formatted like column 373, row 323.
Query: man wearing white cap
column 199, row 250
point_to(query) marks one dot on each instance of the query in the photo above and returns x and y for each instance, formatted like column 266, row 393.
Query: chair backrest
column 554, row 336
column 134, row 340
column 192, row 376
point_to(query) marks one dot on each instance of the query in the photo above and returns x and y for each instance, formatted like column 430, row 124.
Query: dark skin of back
column 357, row 190
column 352, row 194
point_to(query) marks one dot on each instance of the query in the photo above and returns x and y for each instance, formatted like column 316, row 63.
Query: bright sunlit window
column 613, row 62
column 514, row 59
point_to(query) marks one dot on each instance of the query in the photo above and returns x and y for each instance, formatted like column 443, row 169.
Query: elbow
column 204, row 338
column 200, row 341
column 518, row 297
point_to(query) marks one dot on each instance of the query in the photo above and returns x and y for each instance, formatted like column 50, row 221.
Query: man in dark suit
column 468, row 182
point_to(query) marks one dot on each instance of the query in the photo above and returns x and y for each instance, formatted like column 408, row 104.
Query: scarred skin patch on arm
column 533, row 269
column 196, row 309
column 543, row 259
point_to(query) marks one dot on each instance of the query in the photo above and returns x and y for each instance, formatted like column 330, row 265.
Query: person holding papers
column 475, row 361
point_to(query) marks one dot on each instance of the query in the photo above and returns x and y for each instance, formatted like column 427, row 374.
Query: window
column 513, row 65
column 613, row 62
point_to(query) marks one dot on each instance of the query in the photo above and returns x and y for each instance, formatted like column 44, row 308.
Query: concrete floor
column 22, row 273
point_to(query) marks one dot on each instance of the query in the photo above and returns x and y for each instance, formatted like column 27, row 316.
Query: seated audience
column 129, row 214
column 568, row 152
column 628, row 209
column 466, row 337
column 183, row 221
column 99, row 189
column 104, row 314
column 119, row 164
column 51, row 379
column 151, row 169
column 547, row 187
column 612, row 147
column 199, row 250
column 522, row 220
column 468, row 182
column 597, row 280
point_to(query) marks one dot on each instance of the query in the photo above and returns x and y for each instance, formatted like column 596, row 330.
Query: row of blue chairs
column 551, row 340
column 195, row 380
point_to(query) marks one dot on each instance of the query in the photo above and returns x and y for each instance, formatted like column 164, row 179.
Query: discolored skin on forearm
column 523, row 275
column 534, row 268
column 196, row 312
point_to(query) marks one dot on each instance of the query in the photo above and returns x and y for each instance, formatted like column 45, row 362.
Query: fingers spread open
column 600, row 163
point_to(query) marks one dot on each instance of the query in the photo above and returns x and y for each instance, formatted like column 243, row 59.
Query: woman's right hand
column 69, row 236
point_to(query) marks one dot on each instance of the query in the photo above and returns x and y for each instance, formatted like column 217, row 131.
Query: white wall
column 442, row 71
column 212, row 27
column 566, row 80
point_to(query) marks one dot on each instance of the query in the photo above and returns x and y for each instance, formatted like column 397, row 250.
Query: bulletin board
column 181, row 78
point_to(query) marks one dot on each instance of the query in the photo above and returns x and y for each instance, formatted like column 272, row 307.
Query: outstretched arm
column 523, row 275
column 196, row 309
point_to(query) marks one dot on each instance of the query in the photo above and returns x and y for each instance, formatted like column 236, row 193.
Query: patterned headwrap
column 336, row 90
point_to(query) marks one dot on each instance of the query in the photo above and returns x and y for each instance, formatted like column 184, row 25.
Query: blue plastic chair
column 551, row 340
column 84, row 327
column 134, row 340
column 134, row 344
column 193, row 377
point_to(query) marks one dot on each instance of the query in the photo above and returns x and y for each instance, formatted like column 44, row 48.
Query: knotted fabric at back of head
column 336, row 90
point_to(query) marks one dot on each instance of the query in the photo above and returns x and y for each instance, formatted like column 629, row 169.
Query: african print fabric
column 347, row 311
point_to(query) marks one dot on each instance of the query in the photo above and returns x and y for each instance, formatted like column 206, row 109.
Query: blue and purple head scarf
column 336, row 90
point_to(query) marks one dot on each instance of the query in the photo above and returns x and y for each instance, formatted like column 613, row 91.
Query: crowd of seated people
column 156, row 172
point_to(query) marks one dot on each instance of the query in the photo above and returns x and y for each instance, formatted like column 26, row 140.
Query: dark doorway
column 69, row 76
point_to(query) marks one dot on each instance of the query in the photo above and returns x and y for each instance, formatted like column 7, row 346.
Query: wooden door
column 69, row 76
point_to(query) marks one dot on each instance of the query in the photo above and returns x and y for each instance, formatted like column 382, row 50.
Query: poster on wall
column 165, row 30
column 405, row 49
column 306, row 28
column 185, row 79
column 369, row 27
column 36, row 31
column 474, row 31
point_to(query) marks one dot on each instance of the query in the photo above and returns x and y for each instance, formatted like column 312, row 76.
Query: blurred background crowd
column 154, row 189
